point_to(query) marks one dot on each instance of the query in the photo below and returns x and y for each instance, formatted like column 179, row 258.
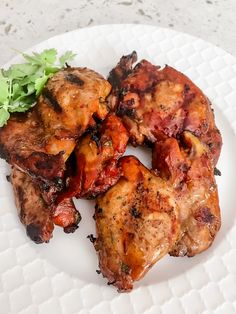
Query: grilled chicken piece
column 40, row 141
column 187, row 167
column 155, row 102
column 137, row 222
column 34, row 212
column 96, row 160
column 22, row 143
column 32, row 209
column 70, row 102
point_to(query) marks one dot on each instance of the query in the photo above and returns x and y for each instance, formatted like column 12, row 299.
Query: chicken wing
column 188, row 168
column 155, row 102
column 137, row 222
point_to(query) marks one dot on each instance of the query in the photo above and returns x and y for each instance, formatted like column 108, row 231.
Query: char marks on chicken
column 155, row 103
column 38, row 216
column 174, row 208
column 38, row 143
column 147, row 214
column 70, row 144
column 96, row 160
column 187, row 167
column 137, row 222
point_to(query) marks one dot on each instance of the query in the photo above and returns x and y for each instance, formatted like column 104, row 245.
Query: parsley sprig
column 21, row 84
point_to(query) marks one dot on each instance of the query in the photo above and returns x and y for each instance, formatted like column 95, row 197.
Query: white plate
column 60, row 277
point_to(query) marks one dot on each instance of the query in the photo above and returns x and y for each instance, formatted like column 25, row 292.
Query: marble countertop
column 27, row 22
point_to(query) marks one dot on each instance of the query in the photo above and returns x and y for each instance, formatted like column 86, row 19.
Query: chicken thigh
column 137, row 222
column 155, row 102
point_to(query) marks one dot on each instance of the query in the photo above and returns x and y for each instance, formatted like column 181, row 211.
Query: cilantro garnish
column 21, row 84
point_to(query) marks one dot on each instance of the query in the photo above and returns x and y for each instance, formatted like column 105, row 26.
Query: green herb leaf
column 21, row 84
column 4, row 116
column 4, row 92
column 18, row 71
column 66, row 57
column 39, row 84
column 47, row 57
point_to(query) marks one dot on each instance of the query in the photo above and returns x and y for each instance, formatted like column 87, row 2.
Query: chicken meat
column 41, row 140
column 96, row 160
column 186, row 166
column 155, row 102
column 137, row 222
column 36, row 214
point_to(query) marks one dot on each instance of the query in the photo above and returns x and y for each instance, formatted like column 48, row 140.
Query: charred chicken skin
column 96, row 160
column 36, row 214
column 69, row 103
column 146, row 215
column 22, row 144
column 174, row 208
column 155, row 102
column 65, row 215
column 137, row 222
column 191, row 172
column 32, row 209
column 71, row 144
column 40, row 141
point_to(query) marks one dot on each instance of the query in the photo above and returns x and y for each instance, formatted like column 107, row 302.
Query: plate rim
column 77, row 30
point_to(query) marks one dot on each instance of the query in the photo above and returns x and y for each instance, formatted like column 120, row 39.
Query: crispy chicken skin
column 96, row 160
column 154, row 102
column 122, row 70
column 71, row 100
column 187, row 167
column 137, row 222
column 32, row 209
column 40, row 141
column 22, row 144
column 36, row 214
column 71, row 143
